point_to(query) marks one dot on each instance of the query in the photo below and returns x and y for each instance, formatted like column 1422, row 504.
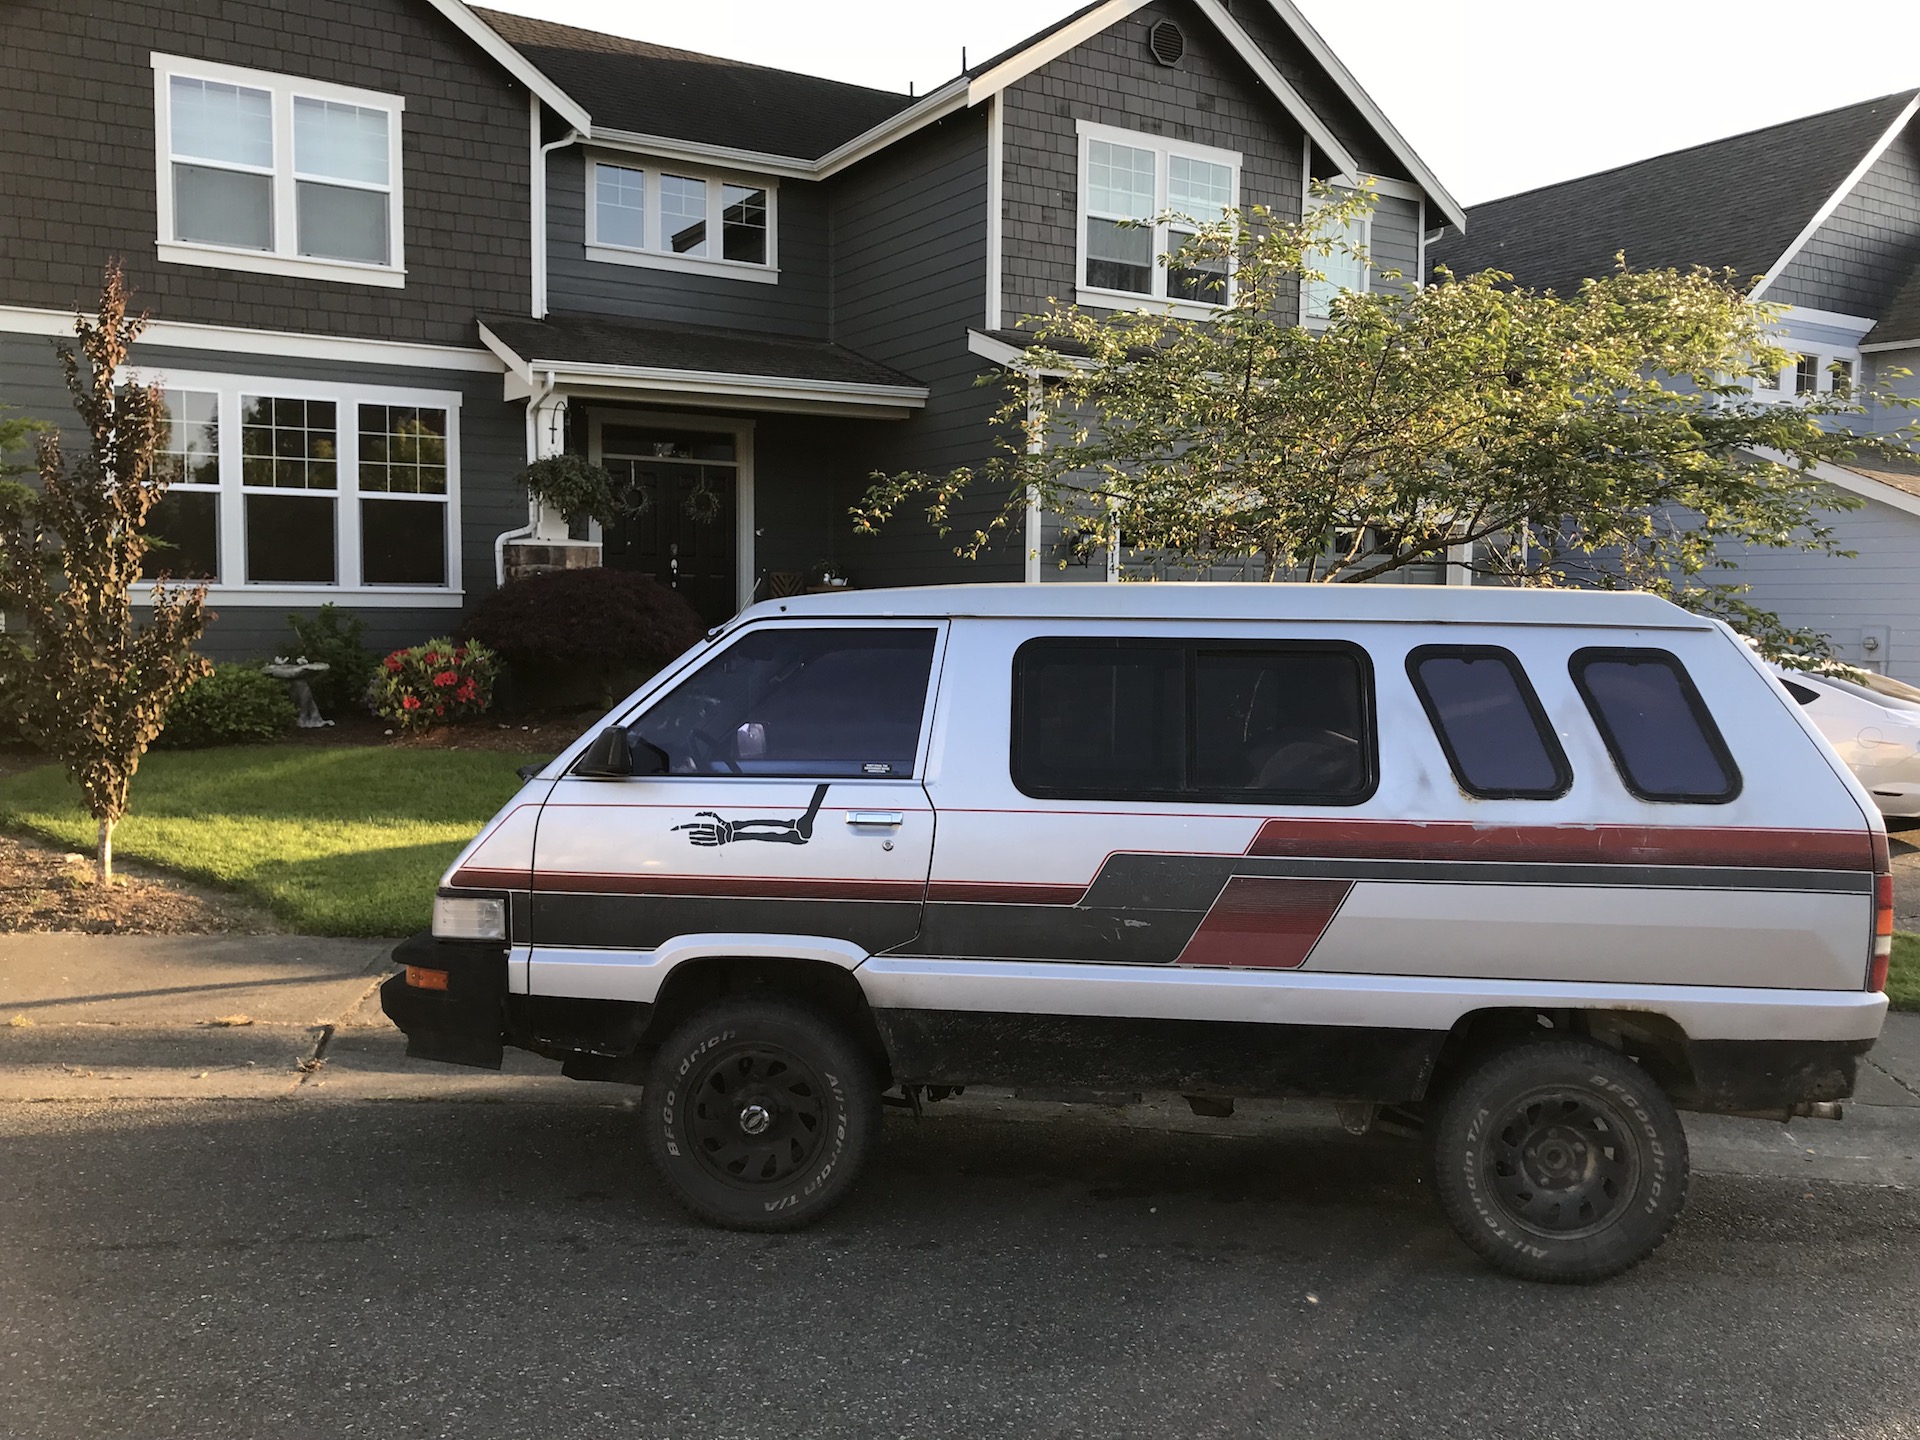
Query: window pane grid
column 403, row 450
column 1123, row 244
column 683, row 215
column 288, row 444
column 188, row 454
column 620, row 200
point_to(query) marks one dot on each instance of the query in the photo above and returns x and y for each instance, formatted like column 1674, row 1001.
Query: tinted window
column 788, row 701
column 1656, row 726
column 1143, row 719
column 1100, row 718
column 1279, row 722
column 1801, row 694
column 1489, row 722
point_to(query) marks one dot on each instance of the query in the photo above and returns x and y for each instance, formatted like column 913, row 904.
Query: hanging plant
column 581, row 490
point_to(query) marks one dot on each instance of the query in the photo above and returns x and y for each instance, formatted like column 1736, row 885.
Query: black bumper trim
column 465, row 1024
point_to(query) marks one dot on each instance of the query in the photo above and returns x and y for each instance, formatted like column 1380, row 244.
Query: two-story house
column 394, row 249
column 1823, row 215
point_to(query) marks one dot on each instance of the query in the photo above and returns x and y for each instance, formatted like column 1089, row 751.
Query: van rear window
column 1170, row 720
column 1656, row 726
column 1489, row 722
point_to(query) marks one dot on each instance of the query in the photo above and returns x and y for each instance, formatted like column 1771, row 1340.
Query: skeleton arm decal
column 706, row 828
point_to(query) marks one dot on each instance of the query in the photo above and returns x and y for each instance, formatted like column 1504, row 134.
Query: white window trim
column 230, row 387
column 1824, row 355
column 654, row 255
column 278, row 261
column 1158, row 303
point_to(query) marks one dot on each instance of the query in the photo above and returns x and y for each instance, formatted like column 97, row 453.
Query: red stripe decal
column 480, row 877
column 733, row 887
column 1267, row 923
column 1565, row 844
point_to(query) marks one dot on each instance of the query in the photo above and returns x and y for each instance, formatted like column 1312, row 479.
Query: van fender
column 639, row 975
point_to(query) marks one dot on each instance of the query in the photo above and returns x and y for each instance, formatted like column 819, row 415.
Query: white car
column 1874, row 726
column 1547, row 864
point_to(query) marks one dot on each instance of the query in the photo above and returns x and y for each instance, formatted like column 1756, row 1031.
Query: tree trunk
column 105, row 855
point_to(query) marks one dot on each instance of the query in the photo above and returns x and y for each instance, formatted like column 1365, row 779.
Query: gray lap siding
column 77, row 149
column 492, row 448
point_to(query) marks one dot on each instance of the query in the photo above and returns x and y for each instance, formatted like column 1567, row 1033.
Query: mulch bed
column 541, row 733
column 50, row 889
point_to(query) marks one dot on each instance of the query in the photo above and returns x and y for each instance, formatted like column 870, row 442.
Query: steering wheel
column 706, row 754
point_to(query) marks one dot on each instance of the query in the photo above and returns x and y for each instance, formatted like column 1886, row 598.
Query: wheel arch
column 1653, row 1040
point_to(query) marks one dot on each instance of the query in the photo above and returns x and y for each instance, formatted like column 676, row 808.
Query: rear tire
column 759, row 1113
column 1559, row 1160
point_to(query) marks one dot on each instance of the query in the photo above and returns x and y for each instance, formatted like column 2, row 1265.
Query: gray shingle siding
column 77, row 151
column 492, row 448
column 1394, row 248
column 1210, row 98
column 1859, row 259
column 795, row 305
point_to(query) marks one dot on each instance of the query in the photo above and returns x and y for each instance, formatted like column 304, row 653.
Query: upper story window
column 1346, row 273
column 1128, row 183
column 275, row 174
column 1812, row 372
column 665, row 217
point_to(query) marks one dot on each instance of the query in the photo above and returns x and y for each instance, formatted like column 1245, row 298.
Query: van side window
column 799, row 702
column 1139, row 719
column 1489, row 722
column 1655, row 725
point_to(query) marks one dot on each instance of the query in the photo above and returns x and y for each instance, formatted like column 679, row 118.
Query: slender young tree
column 1607, row 437
column 97, row 682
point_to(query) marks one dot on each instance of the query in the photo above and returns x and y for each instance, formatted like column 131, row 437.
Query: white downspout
column 539, row 187
column 540, row 405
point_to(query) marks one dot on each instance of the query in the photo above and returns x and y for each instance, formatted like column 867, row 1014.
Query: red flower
column 446, row 678
column 393, row 663
column 409, row 702
column 465, row 693
column 439, row 709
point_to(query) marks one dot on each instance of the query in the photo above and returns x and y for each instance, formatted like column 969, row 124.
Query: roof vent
column 1166, row 42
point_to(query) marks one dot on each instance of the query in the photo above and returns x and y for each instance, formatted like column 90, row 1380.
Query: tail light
column 1882, row 913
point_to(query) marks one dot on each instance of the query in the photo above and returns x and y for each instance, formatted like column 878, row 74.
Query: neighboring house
column 395, row 248
column 1825, row 212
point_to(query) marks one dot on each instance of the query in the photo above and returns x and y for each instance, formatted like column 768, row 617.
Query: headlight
column 459, row 919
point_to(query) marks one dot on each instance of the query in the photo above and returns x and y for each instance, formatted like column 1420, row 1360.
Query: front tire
column 759, row 1113
column 1559, row 1160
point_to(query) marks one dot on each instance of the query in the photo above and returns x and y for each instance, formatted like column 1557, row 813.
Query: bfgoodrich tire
column 1559, row 1160
column 759, row 1113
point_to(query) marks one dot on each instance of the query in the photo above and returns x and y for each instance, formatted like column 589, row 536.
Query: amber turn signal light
column 423, row 979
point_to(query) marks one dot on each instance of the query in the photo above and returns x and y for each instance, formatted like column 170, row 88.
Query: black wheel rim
column 1563, row 1163
column 756, row 1114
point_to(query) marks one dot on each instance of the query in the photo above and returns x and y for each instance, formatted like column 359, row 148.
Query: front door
column 791, row 805
column 687, row 483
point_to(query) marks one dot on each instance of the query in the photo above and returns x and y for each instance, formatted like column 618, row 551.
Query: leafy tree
column 98, row 684
column 1610, row 437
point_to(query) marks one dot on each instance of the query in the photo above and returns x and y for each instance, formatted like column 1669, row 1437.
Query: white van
column 1535, row 866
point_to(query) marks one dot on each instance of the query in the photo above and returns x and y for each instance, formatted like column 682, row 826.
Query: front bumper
column 464, row 1024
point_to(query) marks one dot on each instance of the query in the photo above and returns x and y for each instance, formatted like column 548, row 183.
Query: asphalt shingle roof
column 682, row 95
column 706, row 349
column 1738, row 202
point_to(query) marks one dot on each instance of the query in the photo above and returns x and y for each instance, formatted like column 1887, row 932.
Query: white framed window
column 290, row 490
column 1128, row 181
column 1345, row 272
column 277, row 175
column 1814, row 370
column 670, row 216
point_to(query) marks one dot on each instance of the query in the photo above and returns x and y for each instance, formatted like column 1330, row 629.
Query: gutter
column 524, row 532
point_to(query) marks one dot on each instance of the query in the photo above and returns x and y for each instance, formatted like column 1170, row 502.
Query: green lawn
column 1903, row 976
column 334, row 841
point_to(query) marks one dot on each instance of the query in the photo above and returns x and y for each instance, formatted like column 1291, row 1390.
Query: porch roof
column 694, row 364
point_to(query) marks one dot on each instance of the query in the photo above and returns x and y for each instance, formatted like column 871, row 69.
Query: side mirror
column 608, row 757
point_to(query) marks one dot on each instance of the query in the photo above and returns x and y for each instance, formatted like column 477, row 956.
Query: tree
column 97, row 684
column 1609, row 437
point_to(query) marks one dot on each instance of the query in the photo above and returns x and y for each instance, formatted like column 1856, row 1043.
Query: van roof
column 1211, row 600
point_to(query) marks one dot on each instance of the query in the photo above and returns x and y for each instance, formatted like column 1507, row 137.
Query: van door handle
column 874, row 817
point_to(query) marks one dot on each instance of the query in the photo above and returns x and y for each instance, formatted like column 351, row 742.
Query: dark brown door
column 684, row 537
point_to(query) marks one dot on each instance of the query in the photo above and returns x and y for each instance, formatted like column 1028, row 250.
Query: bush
column 229, row 705
column 332, row 638
column 612, row 627
column 437, row 683
column 14, row 660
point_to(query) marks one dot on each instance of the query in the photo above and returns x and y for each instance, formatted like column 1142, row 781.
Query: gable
column 1857, row 260
column 1738, row 203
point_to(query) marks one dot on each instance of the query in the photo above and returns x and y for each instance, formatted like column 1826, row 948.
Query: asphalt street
column 253, row 1268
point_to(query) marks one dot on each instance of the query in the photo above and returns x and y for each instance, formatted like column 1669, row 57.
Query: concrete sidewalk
column 292, row 1018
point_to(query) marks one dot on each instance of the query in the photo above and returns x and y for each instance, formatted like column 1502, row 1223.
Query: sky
column 1498, row 96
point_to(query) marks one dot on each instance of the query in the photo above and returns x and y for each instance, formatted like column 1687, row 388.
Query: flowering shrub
column 434, row 684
